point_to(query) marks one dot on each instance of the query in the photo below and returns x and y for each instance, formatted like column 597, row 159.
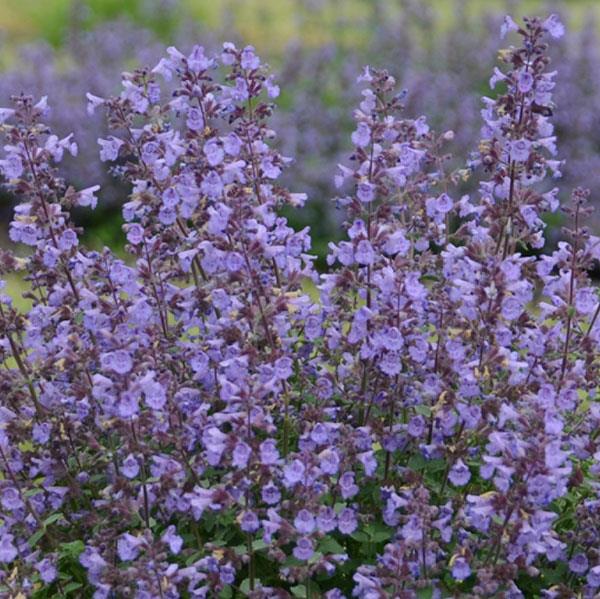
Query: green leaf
column 53, row 518
column 32, row 492
column 381, row 536
column 417, row 462
column 423, row 410
column 35, row 537
column 259, row 544
column 435, row 466
column 193, row 558
column 360, row 536
column 245, row 586
column 329, row 545
column 299, row 591
column 72, row 586
column 72, row 549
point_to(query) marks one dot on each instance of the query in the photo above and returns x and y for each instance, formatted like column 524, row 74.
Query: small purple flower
column 319, row 434
column 512, row 308
column 270, row 170
column 329, row 461
column 269, row 454
column 41, row 432
column 326, row 519
column 241, row 455
column 364, row 253
column 150, row 152
column 397, row 244
column 128, row 547
column 586, row 300
column 212, row 185
column 460, row 569
column 249, row 521
column 234, row 261
column 170, row 198
column 130, row 467
column 47, row 570
column 232, row 144
column 416, row 426
column 167, row 215
column 118, row 361
column 213, row 152
column 195, row 120
column 347, row 485
column 135, row 234
column 109, row 148
column 293, row 473
column 12, row 166
column 11, row 499
column 593, row 577
column 579, row 563
column 346, row 521
column 172, row 539
column 369, row 462
column 8, row 551
column 87, row 197
column 508, row 25
column 553, row 26
column 444, row 203
column 459, row 474
column 520, row 149
column 249, row 60
column 273, row 90
column 304, row 549
column 525, row 81
column 270, row 494
column 362, row 136
column 391, row 363
column 67, row 240
column 304, row 522
column 283, row 368
column 365, row 192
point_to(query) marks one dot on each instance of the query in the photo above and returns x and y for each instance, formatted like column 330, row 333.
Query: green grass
column 15, row 287
column 268, row 24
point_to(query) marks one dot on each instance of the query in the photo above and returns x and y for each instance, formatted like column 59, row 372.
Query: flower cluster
column 209, row 417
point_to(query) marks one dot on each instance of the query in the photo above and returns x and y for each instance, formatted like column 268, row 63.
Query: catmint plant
column 203, row 415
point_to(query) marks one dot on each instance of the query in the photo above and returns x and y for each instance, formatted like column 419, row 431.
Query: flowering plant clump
column 191, row 421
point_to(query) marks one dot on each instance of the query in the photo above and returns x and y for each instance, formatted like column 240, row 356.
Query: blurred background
column 441, row 51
